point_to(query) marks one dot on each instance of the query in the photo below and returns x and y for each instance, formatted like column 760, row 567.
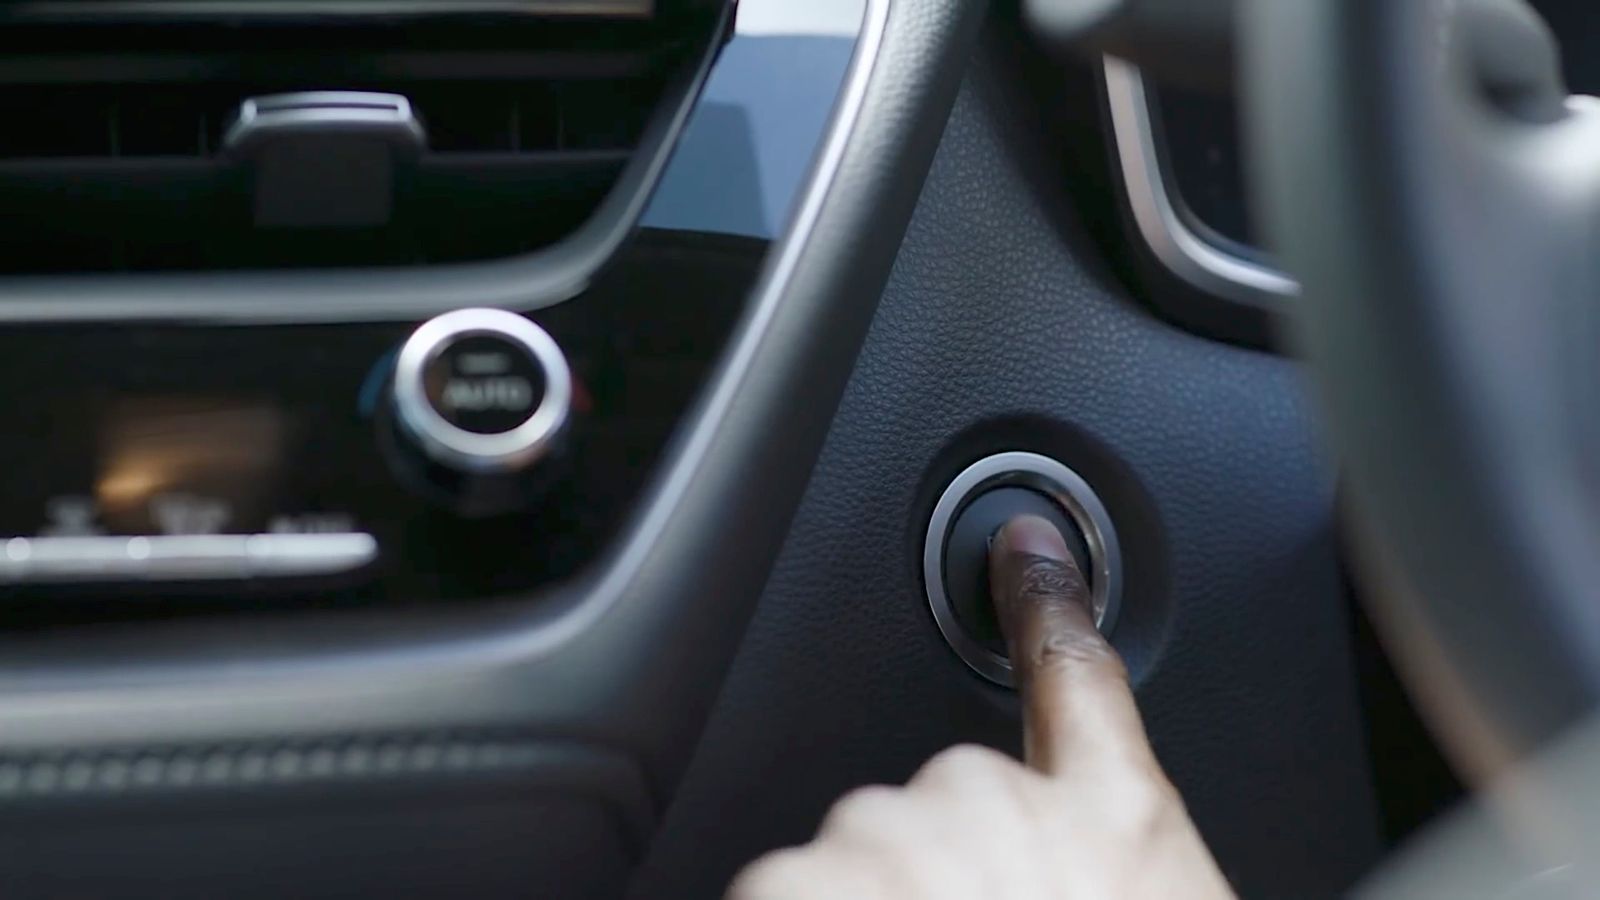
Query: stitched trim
column 104, row 774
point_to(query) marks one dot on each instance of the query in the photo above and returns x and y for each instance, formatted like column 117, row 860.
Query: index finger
column 1076, row 699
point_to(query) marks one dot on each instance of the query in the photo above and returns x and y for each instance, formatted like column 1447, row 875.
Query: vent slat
column 128, row 176
column 45, row 122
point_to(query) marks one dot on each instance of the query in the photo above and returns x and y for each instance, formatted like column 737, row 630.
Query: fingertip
column 1030, row 535
column 1072, row 681
column 1029, row 564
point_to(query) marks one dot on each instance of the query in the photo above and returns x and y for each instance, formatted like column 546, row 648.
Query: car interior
column 549, row 448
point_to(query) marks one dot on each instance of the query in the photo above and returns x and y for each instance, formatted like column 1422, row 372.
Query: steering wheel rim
column 1423, row 170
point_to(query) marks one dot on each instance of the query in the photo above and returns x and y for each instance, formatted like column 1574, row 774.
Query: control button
column 483, row 391
column 955, row 558
column 485, row 385
column 966, row 554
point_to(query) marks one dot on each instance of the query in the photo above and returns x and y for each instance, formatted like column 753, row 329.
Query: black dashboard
column 403, row 502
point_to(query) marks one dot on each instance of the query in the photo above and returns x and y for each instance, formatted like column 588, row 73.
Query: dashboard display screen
column 184, row 465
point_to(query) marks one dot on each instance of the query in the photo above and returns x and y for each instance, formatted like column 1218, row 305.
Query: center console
column 182, row 457
column 406, row 404
column 337, row 305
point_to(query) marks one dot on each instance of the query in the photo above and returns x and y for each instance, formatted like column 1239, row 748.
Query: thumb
column 1076, row 700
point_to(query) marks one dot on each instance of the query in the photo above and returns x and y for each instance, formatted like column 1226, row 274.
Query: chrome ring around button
column 454, row 446
column 1068, row 489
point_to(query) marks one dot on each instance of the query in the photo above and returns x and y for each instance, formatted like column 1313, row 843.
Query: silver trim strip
column 41, row 560
column 507, row 451
column 1076, row 498
column 1197, row 261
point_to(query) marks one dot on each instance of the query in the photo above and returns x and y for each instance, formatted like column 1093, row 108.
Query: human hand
column 1090, row 815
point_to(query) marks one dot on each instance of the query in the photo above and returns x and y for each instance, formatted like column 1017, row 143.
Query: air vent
column 129, row 172
column 77, row 122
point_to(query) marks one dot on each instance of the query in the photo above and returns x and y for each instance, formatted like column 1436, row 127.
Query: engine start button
column 482, row 390
column 485, row 384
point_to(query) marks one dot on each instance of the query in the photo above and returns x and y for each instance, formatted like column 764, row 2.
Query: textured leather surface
column 994, row 333
column 492, row 841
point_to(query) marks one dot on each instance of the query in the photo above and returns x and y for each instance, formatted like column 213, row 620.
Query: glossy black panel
column 163, row 430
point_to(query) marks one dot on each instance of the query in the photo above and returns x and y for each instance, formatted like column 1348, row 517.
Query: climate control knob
column 482, row 391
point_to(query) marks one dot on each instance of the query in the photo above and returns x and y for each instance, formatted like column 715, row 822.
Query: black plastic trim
column 532, row 281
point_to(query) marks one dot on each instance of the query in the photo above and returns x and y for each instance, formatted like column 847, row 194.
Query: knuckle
column 866, row 808
column 964, row 769
column 773, row 875
column 1148, row 803
column 965, row 761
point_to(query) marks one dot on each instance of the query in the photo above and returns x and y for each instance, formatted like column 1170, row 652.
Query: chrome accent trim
column 1199, row 262
column 1076, row 498
column 173, row 557
column 507, row 451
column 390, row 116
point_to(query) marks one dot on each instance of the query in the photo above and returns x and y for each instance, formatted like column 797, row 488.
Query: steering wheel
column 1422, row 166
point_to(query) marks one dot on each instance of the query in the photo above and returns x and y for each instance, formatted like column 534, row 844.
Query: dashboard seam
column 557, row 766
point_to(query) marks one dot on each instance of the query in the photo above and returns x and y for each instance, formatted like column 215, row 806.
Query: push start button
column 966, row 554
column 955, row 560
column 482, row 390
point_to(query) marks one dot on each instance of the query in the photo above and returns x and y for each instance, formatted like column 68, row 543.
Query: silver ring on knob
column 1075, row 497
column 499, row 453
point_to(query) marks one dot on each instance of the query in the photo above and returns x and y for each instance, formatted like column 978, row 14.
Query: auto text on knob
column 508, row 393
